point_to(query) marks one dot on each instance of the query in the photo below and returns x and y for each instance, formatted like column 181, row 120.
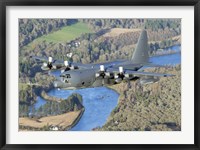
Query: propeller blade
column 121, row 70
column 116, row 76
column 44, row 64
column 66, row 63
column 97, row 75
column 50, row 59
column 102, row 68
column 103, row 82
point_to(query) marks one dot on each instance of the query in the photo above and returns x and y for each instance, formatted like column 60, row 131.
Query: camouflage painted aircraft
column 77, row 75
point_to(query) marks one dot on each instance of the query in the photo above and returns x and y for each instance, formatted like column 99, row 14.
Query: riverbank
column 51, row 123
column 166, row 51
column 45, row 96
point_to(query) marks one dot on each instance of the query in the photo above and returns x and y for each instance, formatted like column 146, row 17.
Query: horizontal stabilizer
column 154, row 65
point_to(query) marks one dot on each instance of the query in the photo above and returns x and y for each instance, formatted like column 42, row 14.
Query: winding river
column 100, row 101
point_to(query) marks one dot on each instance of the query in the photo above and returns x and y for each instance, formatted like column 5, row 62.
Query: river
column 100, row 101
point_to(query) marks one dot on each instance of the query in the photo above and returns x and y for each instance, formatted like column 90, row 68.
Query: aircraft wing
column 140, row 73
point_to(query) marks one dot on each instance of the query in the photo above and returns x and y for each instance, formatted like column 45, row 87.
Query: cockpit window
column 65, row 76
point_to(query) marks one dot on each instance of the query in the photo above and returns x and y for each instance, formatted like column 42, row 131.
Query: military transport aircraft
column 77, row 75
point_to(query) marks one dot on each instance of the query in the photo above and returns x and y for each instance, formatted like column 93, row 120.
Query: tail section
column 141, row 52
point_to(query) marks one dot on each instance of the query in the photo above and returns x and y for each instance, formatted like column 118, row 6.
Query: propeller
column 69, row 66
column 101, row 73
column 48, row 65
column 119, row 76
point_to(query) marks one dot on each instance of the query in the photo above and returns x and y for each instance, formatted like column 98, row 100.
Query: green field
column 66, row 34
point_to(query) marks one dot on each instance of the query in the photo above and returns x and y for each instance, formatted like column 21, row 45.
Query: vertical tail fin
column 141, row 52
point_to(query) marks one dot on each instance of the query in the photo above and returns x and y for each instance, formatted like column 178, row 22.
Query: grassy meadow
column 66, row 34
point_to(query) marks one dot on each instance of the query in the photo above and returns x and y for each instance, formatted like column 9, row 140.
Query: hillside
column 62, row 122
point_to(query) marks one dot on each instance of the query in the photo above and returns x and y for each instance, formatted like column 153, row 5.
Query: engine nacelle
column 72, row 67
column 107, row 74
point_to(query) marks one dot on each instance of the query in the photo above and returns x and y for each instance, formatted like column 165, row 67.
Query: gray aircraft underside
column 77, row 75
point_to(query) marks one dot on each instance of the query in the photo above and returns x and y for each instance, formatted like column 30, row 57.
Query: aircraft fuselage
column 84, row 78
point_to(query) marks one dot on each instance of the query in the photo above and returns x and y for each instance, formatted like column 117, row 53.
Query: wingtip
column 169, row 75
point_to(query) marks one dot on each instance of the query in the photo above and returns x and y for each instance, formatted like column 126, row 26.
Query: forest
column 72, row 103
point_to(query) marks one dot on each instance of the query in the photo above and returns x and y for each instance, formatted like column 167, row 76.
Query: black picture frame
column 5, row 3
